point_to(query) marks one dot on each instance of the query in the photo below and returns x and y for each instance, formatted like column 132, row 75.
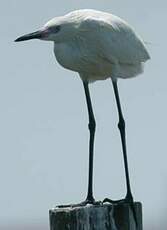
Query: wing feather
column 113, row 39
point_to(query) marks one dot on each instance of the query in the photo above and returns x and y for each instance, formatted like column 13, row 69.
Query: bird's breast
column 67, row 56
column 80, row 58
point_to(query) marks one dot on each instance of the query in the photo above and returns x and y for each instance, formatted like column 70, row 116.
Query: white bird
column 98, row 46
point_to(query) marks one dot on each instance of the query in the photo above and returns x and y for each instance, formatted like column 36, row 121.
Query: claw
column 122, row 201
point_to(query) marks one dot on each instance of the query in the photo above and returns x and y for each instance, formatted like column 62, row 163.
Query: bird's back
column 104, row 46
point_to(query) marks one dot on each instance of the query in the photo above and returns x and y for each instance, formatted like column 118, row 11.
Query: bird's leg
column 92, row 126
column 121, row 125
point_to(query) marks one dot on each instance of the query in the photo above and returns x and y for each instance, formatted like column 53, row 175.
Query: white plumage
column 102, row 46
column 97, row 45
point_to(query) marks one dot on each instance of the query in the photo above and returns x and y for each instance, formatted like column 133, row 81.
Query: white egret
column 98, row 46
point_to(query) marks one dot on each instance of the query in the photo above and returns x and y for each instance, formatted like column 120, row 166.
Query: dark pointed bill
column 35, row 35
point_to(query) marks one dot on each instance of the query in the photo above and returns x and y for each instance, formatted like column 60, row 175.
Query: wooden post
column 96, row 217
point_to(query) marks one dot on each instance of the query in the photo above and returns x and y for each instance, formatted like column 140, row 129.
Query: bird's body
column 103, row 46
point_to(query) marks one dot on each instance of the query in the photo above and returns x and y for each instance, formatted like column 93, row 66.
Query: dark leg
column 121, row 126
column 92, row 126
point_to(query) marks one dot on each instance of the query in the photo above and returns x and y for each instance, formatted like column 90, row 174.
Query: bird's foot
column 121, row 201
column 127, row 200
column 84, row 203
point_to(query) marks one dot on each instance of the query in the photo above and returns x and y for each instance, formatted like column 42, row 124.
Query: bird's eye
column 55, row 29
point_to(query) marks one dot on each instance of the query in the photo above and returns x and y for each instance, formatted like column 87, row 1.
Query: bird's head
column 59, row 29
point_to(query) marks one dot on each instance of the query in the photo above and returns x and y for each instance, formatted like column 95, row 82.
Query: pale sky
column 44, row 136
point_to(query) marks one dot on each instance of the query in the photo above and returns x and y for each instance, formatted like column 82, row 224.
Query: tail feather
column 129, row 70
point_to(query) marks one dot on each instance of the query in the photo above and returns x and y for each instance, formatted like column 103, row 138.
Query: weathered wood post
column 96, row 217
